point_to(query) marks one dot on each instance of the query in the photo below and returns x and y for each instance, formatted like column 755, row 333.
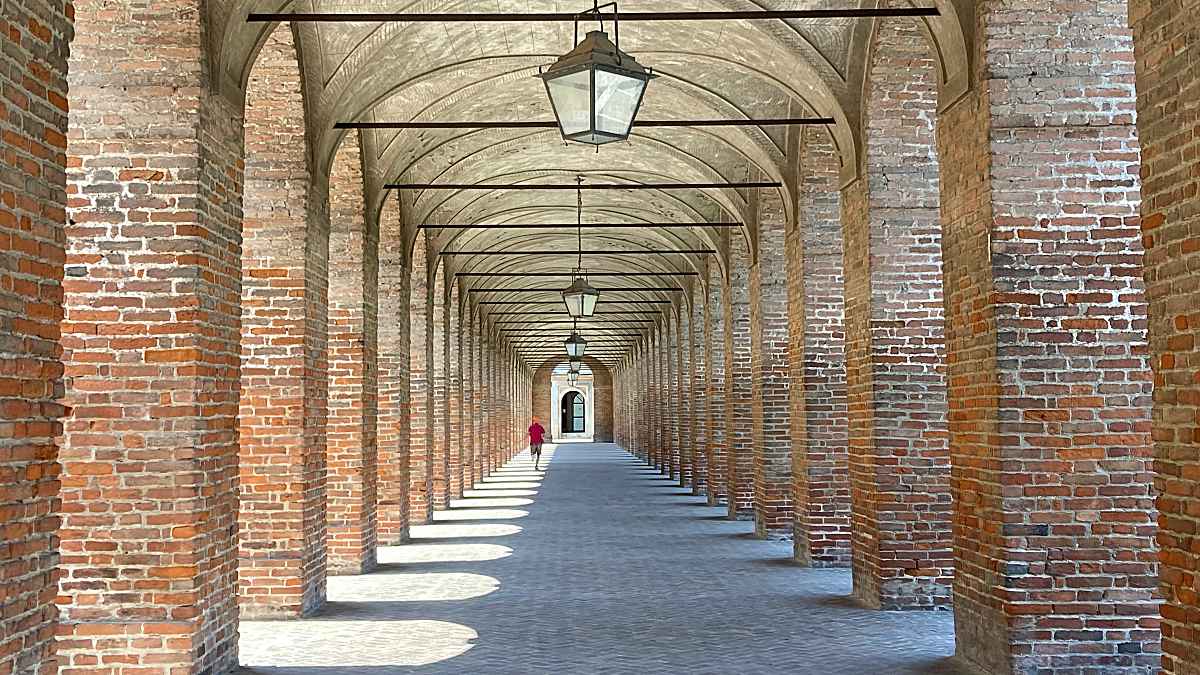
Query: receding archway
column 547, row 407
column 573, row 413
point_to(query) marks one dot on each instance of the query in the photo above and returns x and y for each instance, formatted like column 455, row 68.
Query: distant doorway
column 574, row 413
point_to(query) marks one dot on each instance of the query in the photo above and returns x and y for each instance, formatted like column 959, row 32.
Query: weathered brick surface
column 439, row 468
column 1049, row 385
column 33, row 143
column 420, row 440
column 395, row 417
column 714, row 342
column 284, row 375
column 1166, row 38
column 353, row 457
column 686, row 426
column 739, row 418
column 818, row 360
column 899, row 460
column 770, row 379
column 469, row 417
column 454, row 394
column 699, row 393
column 151, row 344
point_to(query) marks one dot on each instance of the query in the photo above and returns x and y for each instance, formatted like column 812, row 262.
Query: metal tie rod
column 552, row 124
column 587, row 186
column 564, row 17
column 677, row 251
column 557, row 226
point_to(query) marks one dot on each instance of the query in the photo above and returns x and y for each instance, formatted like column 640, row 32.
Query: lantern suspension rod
column 552, row 124
column 662, row 251
column 749, row 185
column 560, row 226
column 618, row 275
column 563, row 17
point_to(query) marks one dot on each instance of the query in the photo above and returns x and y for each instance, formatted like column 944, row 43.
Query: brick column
column 699, row 393
column 394, row 398
column 33, row 200
column 462, row 357
column 150, row 343
column 460, row 457
column 769, row 376
column 895, row 354
column 714, row 341
column 1049, row 386
column 285, row 379
column 683, row 367
column 1164, row 37
column 818, row 361
column 739, row 418
column 477, row 399
column 674, row 397
column 420, row 439
column 439, row 466
column 353, row 453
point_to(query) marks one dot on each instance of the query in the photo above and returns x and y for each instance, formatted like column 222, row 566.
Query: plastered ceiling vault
column 487, row 72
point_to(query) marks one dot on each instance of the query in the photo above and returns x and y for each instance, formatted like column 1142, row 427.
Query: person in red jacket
column 536, row 434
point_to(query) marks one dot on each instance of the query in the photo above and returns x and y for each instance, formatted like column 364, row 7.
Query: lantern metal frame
column 575, row 344
column 596, row 53
column 587, row 295
column 575, row 365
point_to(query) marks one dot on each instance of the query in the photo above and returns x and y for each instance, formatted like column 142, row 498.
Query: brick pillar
column 150, row 343
column 466, row 453
column 683, row 366
column 439, row 466
column 699, row 394
column 714, row 342
column 769, row 374
column 420, row 473
column 487, row 374
column 284, row 379
column 674, row 397
column 739, row 418
column 33, row 200
column 818, row 361
column 1168, row 88
column 394, row 402
column 895, row 354
column 353, row 454
column 460, row 457
column 1049, row 385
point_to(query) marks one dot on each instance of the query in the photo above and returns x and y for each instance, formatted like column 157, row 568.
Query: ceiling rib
column 748, row 185
column 557, row 226
column 689, row 251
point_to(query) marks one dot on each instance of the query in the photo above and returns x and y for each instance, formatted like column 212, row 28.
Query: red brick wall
column 739, row 420
column 394, row 402
column 32, row 213
column 714, row 342
column 899, row 459
column 284, row 378
column 1167, row 49
column 818, row 358
column 440, row 417
column 699, row 392
column 420, row 477
column 770, row 374
column 353, row 370
column 1049, row 386
column 151, row 344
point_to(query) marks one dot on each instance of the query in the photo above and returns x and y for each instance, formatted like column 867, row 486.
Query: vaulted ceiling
column 487, row 72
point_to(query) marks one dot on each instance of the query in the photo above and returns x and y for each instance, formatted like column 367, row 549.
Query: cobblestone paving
column 600, row 566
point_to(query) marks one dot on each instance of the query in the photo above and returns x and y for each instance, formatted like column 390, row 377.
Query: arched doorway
column 573, row 413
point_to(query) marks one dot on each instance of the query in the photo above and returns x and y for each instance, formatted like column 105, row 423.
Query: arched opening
column 573, row 413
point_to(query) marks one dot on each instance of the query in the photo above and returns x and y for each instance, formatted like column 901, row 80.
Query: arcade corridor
column 611, row 569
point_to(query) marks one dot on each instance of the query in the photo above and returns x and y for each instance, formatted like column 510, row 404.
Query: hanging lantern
column 596, row 89
column 575, row 365
column 575, row 345
column 572, row 378
column 580, row 297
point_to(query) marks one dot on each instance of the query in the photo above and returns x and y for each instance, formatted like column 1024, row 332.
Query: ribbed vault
column 486, row 72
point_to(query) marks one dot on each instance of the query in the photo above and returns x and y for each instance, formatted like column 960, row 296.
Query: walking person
column 536, row 434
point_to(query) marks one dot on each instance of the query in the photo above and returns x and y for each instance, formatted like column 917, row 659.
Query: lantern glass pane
column 575, row 365
column 589, row 304
column 574, row 302
column 571, row 96
column 617, row 98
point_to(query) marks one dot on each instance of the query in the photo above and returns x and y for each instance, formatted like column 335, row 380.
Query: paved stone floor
column 595, row 565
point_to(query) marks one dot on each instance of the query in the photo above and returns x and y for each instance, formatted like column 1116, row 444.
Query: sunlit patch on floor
column 477, row 514
column 499, row 492
column 507, row 485
column 352, row 643
column 425, row 553
column 411, row 587
column 488, row 502
column 452, row 530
